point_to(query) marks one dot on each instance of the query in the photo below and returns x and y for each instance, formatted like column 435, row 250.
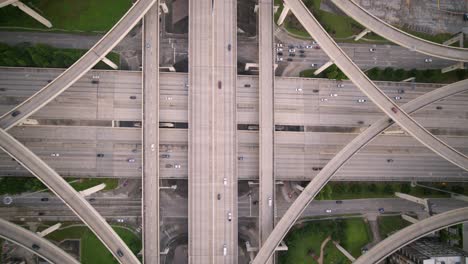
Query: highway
column 297, row 154
column 150, row 144
column 380, row 27
column 72, row 198
column 201, row 194
column 412, row 233
column 79, row 68
column 267, row 200
column 27, row 208
column 28, row 239
column 212, row 132
column 318, row 182
column 298, row 101
column 377, row 96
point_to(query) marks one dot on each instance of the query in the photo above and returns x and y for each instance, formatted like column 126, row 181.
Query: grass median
column 67, row 15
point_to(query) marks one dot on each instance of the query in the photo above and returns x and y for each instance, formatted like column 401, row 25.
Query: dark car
column 465, row 17
column 302, row 55
column 95, row 81
column 301, row 51
column 44, row 199
column 219, row 196
column 120, row 253
column 92, row 199
column 229, row 47
column 35, row 247
column 290, row 59
column 247, row 85
column 280, row 53
column 15, row 113
column 40, row 213
column 165, row 156
column 100, row 155
column 292, row 54
column 133, row 97
column 220, row 84
column 339, row 202
column 381, row 210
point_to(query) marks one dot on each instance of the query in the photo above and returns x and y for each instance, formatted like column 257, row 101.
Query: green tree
column 405, row 188
column 388, row 189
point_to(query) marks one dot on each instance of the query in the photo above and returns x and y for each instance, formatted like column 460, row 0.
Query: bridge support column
column 362, row 34
column 93, row 189
column 414, row 199
column 457, row 38
column 167, row 68
column 164, row 8
column 410, row 79
column 283, row 15
column 110, row 63
column 456, row 66
column 409, row 218
column 49, row 230
column 323, row 67
column 32, row 13
column 344, row 251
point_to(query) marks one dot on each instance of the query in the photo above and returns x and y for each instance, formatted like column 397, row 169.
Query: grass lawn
column 357, row 236
column 342, row 27
column 45, row 56
column 16, row 185
column 84, row 184
column 389, row 224
column 358, row 190
column 92, row 250
column 306, row 239
column 69, row 15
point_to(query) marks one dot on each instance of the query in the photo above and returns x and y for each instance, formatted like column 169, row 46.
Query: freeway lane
column 79, row 68
column 412, row 233
column 370, row 89
column 173, row 206
column 150, row 177
column 318, row 182
column 297, row 153
column 27, row 239
column 111, row 100
column 266, row 120
column 72, row 198
column 378, row 26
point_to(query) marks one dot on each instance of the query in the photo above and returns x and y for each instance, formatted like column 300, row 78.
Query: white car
column 328, row 211
column 152, row 147
column 333, row 95
column 229, row 216
column 279, row 58
column 120, row 220
column 177, row 166
column 428, row 60
column 55, row 155
column 372, row 50
column 361, row 101
column 299, row 90
column 313, row 65
column 270, row 202
column 279, row 49
column 308, row 46
column 131, row 160
column 292, row 50
column 225, row 181
column 279, row 45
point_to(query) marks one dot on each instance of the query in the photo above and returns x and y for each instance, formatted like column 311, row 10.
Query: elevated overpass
column 411, row 233
column 299, row 155
column 79, row 68
column 318, row 182
column 30, row 240
column 69, row 196
column 380, row 27
column 150, row 143
column 370, row 89
column 266, row 120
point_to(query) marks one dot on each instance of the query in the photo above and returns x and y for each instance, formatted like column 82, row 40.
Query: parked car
column 44, row 199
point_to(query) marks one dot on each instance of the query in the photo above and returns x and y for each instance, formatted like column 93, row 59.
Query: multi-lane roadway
column 398, row 36
column 34, row 243
column 150, row 143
